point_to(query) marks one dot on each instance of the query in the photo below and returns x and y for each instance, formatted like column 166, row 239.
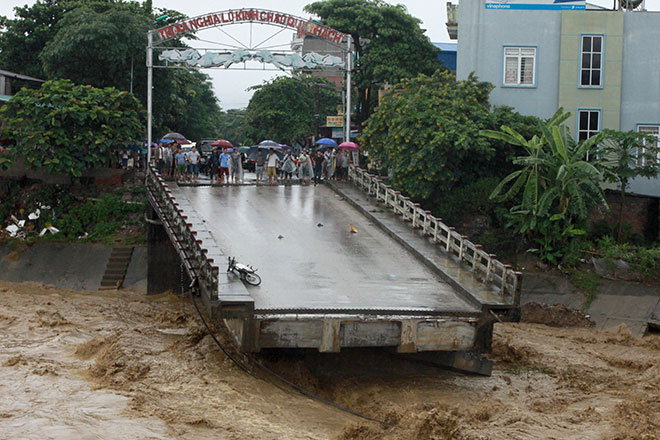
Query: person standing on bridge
column 304, row 168
column 319, row 161
column 236, row 166
column 224, row 166
column 259, row 165
column 214, row 165
column 271, row 162
column 288, row 168
column 180, row 159
column 193, row 158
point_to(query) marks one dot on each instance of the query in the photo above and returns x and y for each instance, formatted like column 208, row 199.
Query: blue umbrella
column 327, row 142
column 268, row 143
column 165, row 141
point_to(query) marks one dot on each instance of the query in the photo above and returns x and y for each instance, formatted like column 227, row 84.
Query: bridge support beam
column 460, row 361
column 164, row 271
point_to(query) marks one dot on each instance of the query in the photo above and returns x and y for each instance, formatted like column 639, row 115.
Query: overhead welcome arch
column 209, row 58
column 253, row 15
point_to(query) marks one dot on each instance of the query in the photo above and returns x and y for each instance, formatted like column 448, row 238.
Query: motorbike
column 245, row 273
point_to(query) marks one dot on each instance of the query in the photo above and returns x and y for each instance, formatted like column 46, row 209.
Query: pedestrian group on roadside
column 226, row 166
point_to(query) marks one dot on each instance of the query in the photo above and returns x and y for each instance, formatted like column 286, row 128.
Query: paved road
column 318, row 262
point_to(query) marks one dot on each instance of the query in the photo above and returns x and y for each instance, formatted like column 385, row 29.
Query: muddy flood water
column 119, row 365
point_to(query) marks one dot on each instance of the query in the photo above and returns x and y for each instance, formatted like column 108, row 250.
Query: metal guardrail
column 492, row 271
column 179, row 228
column 198, row 251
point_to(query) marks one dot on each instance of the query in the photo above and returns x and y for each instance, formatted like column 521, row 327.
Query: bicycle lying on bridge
column 245, row 273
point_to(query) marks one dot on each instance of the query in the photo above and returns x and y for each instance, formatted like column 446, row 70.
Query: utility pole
column 150, row 67
column 349, row 67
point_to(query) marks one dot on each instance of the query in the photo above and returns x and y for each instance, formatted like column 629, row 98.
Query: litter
column 12, row 229
column 34, row 215
column 354, row 229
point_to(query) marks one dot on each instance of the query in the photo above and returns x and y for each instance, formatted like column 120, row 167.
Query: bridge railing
column 180, row 228
column 484, row 265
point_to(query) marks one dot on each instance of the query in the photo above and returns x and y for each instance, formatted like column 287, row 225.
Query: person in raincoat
column 236, row 166
column 305, row 168
column 288, row 168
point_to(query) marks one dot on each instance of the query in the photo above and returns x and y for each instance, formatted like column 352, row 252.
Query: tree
column 68, row 128
column 559, row 187
column 426, row 132
column 389, row 44
column 24, row 37
column 285, row 109
column 622, row 157
column 94, row 42
column 102, row 49
column 233, row 127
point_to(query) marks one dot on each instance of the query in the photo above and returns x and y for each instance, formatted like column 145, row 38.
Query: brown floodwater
column 116, row 364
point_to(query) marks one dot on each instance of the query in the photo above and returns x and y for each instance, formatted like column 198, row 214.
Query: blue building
column 448, row 55
column 601, row 65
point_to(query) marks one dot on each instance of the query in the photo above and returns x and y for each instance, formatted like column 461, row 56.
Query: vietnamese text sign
column 236, row 16
column 535, row 4
column 334, row 121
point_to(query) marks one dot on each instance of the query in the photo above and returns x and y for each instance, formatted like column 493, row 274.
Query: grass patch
column 587, row 283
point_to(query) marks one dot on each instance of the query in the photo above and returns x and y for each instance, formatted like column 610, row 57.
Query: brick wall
column 641, row 213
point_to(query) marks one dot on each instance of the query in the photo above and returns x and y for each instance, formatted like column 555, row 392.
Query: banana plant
column 559, row 186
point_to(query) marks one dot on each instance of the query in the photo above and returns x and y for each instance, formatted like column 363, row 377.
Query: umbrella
column 252, row 151
column 286, row 147
column 178, row 138
column 268, row 143
column 165, row 141
column 243, row 150
column 349, row 146
column 326, row 142
column 222, row 143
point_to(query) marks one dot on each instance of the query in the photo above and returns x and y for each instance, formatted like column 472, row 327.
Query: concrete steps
column 115, row 270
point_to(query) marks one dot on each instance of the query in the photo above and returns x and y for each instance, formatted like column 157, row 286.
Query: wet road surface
column 299, row 238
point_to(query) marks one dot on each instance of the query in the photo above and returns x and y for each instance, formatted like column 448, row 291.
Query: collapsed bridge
column 345, row 265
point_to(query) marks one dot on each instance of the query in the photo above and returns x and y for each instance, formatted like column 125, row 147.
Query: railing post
column 489, row 266
column 449, row 239
column 462, row 247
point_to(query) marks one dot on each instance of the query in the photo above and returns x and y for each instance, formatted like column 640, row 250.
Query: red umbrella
column 222, row 143
column 349, row 146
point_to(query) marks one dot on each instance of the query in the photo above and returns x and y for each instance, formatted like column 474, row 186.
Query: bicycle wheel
column 253, row 279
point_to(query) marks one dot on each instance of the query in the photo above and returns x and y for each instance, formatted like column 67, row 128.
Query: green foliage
column 389, row 44
column 66, row 128
column 645, row 260
column 233, row 127
column 469, row 199
column 426, row 131
column 284, row 109
column 99, row 218
column 625, row 156
column 559, row 188
column 588, row 283
column 97, row 48
column 100, row 43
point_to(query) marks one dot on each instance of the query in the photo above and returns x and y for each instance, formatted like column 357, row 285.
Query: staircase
column 115, row 271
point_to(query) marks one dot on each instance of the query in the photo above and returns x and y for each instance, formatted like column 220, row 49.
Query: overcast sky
column 230, row 86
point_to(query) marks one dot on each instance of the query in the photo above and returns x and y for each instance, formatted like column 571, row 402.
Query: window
column 651, row 130
column 588, row 124
column 591, row 66
column 519, row 65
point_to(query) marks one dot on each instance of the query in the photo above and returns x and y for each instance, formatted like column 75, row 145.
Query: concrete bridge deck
column 325, row 286
column 299, row 238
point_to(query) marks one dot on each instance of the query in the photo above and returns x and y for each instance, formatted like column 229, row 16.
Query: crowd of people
column 305, row 166
column 225, row 166
column 172, row 161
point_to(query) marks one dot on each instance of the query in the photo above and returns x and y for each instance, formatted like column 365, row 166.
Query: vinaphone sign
column 238, row 16
column 536, row 4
